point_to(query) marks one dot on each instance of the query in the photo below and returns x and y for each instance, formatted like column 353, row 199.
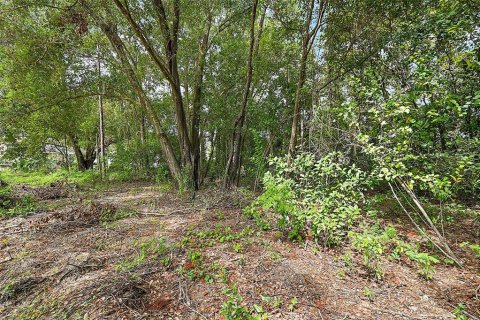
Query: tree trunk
column 167, row 65
column 233, row 162
column 143, row 141
column 308, row 37
column 84, row 162
column 165, row 144
column 197, row 97
column 101, row 129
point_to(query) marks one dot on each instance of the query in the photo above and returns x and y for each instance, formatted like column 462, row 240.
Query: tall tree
column 233, row 162
column 314, row 14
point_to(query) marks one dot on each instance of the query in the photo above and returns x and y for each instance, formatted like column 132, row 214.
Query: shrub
column 323, row 196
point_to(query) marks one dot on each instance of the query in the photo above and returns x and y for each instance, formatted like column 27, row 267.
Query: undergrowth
column 12, row 206
column 324, row 199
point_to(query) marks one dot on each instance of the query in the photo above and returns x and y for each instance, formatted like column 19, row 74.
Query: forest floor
column 137, row 251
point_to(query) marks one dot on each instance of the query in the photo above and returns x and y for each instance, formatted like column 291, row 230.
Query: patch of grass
column 208, row 237
column 150, row 249
column 41, row 178
column 35, row 310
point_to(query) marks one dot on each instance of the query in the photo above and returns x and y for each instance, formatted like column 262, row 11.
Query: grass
column 40, row 178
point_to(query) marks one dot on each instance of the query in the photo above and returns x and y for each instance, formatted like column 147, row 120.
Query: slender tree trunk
column 197, row 96
column 101, row 129
column 210, row 157
column 233, row 161
column 308, row 37
column 143, row 141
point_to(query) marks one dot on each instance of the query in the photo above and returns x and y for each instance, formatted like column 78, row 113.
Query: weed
column 232, row 308
column 372, row 242
column 259, row 218
column 293, row 303
column 275, row 256
column 237, row 247
column 459, row 312
column 10, row 207
column 369, row 294
column 371, row 248
column 347, row 259
column 220, row 215
column 425, row 261
column 277, row 303
column 150, row 249
column 474, row 247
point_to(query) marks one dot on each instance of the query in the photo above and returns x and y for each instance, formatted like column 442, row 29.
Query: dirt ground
column 176, row 258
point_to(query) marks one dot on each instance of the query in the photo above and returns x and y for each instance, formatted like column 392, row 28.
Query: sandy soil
column 65, row 263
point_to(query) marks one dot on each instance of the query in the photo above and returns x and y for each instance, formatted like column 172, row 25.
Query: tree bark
column 197, row 99
column 308, row 37
column 101, row 124
column 119, row 47
column 84, row 162
column 168, row 66
column 233, row 162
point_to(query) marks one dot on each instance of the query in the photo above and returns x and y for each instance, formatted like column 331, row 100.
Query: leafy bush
column 323, row 196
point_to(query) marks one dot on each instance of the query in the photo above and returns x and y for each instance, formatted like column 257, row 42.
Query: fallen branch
column 443, row 246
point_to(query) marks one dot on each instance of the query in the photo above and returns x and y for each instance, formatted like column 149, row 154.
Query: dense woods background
column 198, row 90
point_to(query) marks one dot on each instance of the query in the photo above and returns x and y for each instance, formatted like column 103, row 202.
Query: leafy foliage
column 321, row 195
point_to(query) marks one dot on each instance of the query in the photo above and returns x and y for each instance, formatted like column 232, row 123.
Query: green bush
column 323, row 196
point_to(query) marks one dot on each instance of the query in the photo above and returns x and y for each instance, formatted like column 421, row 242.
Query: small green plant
column 474, row 247
column 220, row 215
column 153, row 249
column 237, row 247
column 257, row 215
column 371, row 248
column 11, row 207
column 347, row 259
column 369, row 294
column 277, row 303
column 232, row 308
column 459, row 312
column 293, row 303
column 425, row 262
column 275, row 256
